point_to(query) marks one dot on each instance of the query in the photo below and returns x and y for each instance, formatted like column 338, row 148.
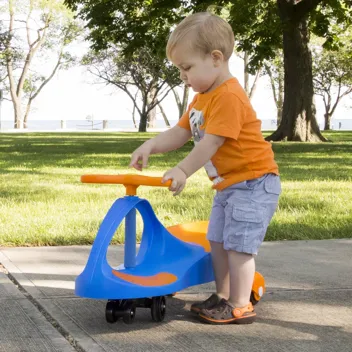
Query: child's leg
column 218, row 255
column 249, row 207
column 242, row 269
column 221, row 263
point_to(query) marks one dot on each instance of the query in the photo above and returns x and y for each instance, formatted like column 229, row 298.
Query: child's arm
column 198, row 157
column 171, row 139
column 201, row 154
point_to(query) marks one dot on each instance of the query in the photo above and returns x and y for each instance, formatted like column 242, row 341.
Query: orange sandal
column 224, row 313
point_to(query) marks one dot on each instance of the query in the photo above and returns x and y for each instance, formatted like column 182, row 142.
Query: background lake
column 122, row 125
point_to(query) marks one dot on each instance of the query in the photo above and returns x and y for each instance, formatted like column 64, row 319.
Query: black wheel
column 253, row 300
column 111, row 310
column 129, row 313
column 158, row 308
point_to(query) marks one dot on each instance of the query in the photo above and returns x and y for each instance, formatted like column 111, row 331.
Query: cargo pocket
column 247, row 226
column 273, row 185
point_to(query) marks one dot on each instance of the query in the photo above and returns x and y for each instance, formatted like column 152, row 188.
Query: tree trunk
column 280, row 100
column 327, row 121
column 143, row 122
column 134, row 110
column 134, row 116
column 279, row 115
column 18, row 114
column 28, row 109
column 184, row 101
column 167, row 122
column 152, row 112
column 152, row 118
column 182, row 106
column 298, row 119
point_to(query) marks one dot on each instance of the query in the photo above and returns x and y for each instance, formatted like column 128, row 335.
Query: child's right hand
column 140, row 156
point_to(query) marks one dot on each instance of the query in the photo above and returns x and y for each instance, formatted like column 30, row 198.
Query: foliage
column 258, row 24
column 130, row 23
column 261, row 27
column 134, row 26
column 5, row 54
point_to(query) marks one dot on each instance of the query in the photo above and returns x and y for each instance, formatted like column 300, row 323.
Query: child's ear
column 217, row 57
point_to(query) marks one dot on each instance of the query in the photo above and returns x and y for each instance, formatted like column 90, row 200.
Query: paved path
column 308, row 305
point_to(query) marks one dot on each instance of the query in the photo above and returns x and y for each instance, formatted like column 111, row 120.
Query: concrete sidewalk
column 307, row 306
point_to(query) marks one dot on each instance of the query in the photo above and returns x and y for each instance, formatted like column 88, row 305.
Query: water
column 80, row 125
column 84, row 125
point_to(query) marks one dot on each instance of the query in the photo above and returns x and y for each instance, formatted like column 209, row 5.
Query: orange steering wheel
column 131, row 182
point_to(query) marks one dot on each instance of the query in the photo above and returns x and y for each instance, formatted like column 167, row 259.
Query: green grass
column 42, row 201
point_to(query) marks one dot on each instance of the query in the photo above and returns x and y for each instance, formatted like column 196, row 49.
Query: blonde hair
column 209, row 32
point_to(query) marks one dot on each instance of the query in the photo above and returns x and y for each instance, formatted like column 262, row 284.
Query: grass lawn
column 42, row 201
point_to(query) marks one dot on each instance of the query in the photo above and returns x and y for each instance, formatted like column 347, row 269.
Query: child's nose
column 183, row 76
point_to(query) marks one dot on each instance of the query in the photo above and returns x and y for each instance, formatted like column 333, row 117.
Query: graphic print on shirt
column 196, row 120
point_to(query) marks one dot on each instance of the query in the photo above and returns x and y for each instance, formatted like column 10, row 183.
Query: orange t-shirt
column 226, row 111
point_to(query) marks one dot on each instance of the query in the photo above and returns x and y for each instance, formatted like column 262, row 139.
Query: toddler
column 239, row 162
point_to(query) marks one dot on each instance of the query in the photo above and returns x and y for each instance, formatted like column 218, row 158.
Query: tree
column 332, row 78
column 275, row 70
column 132, row 25
column 48, row 28
column 261, row 27
column 181, row 103
column 249, row 88
column 141, row 76
column 3, row 40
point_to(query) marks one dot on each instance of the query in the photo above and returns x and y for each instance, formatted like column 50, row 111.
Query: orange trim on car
column 258, row 283
column 192, row 233
column 160, row 279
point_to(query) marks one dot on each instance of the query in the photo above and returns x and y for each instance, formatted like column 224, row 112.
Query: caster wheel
column 158, row 308
column 252, row 299
column 111, row 310
column 129, row 314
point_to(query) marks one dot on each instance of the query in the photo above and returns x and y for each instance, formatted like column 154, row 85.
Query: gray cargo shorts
column 242, row 212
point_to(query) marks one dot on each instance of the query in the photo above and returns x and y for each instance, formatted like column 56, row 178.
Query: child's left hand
column 178, row 178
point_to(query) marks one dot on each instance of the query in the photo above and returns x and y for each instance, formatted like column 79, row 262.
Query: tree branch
column 48, row 79
column 303, row 7
column 27, row 22
column 33, row 47
column 254, row 85
column 177, row 97
column 272, row 82
column 295, row 10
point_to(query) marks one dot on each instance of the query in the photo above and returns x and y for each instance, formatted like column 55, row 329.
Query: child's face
column 197, row 71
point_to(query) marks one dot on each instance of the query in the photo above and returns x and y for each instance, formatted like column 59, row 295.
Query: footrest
column 160, row 279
